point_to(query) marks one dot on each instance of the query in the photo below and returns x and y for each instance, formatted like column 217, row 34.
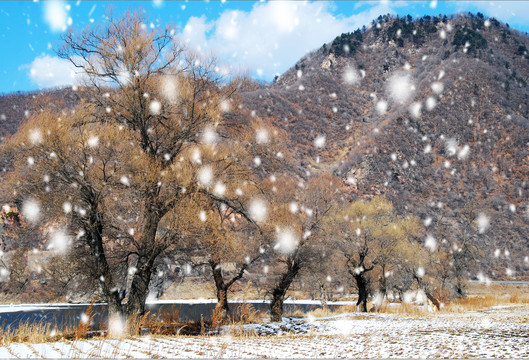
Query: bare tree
column 146, row 81
column 70, row 179
column 372, row 234
column 299, row 212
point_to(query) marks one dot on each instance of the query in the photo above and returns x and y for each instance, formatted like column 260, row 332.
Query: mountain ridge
column 437, row 123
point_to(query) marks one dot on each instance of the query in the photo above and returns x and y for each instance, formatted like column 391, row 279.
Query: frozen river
column 60, row 315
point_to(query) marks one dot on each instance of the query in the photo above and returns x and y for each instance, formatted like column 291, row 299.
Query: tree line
column 159, row 158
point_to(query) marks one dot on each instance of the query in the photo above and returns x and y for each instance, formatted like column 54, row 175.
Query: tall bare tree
column 299, row 212
column 67, row 175
column 146, row 81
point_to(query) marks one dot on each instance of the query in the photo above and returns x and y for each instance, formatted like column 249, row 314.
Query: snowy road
column 495, row 333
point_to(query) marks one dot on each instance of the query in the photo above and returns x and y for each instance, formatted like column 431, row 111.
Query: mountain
column 431, row 113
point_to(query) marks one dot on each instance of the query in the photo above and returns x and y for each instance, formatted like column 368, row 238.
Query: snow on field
column 493, row 333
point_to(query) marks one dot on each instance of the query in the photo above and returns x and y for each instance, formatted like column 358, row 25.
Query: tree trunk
column 361, row 283
column 427, row 292
column 382, row 288
column 222, row 290
column 147, row 254
column 279, row 292
column 139, row 289
column 324, row 298
column 95, row 242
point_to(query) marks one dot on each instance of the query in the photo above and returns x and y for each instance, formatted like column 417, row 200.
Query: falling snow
column 93, row 141
column 350, row 76
column 59, row 240
column 31, row 210
column 205, row 176
column 319, row 142
column 287, row 241
column 35, row 136
column 262, row 136
column 258, row 209
column 155, row 107
column 381, row 107
column 400, row 88
column 483, row 223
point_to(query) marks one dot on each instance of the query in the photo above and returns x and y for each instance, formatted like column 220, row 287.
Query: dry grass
column 40, row 332
column 246, row 314
column 84, row 325
column 403, row 308
column 484, row 301
column 35, row 333
column 321, row 312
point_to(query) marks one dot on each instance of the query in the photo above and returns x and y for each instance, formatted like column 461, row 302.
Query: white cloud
column 273, row 35
column 51, row 71
column 512, row 12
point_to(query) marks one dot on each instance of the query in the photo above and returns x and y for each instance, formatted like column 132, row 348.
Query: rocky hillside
column 431, row 113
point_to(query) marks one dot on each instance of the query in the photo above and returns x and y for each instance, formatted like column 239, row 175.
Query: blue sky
column 263, row 38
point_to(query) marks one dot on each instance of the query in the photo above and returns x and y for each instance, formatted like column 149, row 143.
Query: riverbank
column 492, row 332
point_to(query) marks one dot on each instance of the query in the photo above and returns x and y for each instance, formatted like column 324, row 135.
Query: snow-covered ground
column 492, row 333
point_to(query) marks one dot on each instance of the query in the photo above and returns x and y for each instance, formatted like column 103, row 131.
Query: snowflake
column 169, row 89
column 463, row 153
column 381, row 107
column 430, row 243
column 155, row 107
column 219, row 188
column 287, row 241
column 451, row 146
column 225, row 106
column 124, row 180
column 202, row 216
column 31, row 210
column 319, row 142
column 400, row 88
column 437, row 87
column 415, row 109
column 205, row 176
column 430, row 103
column 350, row 76
column 59, row 241
column 483, row 222
column 116, row 326
column 427, row 149
column 67, row 207
column 55, row 14
column 35, row 136
column 427, row 221
column 261, row 136
column 209, row 136
column 93, row 141
column 258, row 209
